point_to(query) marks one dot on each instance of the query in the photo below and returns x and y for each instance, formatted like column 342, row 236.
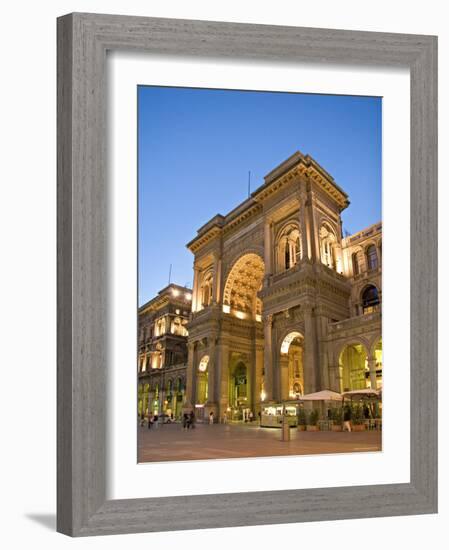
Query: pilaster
column 190, row 378
column 372, row 373
column 310, row 351
column 268, row 357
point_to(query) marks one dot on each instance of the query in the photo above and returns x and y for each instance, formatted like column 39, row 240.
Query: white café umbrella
column 324, row 395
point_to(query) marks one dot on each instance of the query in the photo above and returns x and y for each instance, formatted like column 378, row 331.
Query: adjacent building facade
column 282, row 303
column 162, row 351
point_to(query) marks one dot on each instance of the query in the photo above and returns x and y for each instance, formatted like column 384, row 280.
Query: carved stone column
column 268, row 356
column 258, row 377
column 339, row 259
column 372, row 373
column 252, row 372
column 268, row 249
column 222, row 377
column 211, row 373
column 313, row 229
column 283, row 378
column 310, row 351
column 190, row 378
column 321, row 322
column 302, row 225
column 195, row 294
column 216, row 284
column 335, row 382
column 325, row 379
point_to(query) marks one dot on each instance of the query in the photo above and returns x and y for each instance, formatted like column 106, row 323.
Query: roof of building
column 272, row 181
column 170, row 293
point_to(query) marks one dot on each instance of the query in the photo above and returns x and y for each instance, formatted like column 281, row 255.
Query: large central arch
column 353, row 366
column 242, row 284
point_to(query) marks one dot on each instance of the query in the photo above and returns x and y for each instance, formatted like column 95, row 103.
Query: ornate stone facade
column 162, row 357
column 282, row 304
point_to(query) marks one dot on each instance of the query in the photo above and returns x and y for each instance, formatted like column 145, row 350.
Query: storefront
column 273, row 414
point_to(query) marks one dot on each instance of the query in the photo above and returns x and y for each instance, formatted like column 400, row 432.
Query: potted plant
column 302, row 420
column 336, row 417
column 312, row 425
column 358, row 420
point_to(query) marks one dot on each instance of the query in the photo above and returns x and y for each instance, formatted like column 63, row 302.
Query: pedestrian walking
column 347, row 415
column 225, row 418
column 211, row 417
column 185, row 421
column 156, row 420
column 192, row 420
column 251, row 416
column 150, row 421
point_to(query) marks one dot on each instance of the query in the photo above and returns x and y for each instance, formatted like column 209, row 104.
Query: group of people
column 347, row 416
column 154, row 419
column 188, row 419
column 151, row 419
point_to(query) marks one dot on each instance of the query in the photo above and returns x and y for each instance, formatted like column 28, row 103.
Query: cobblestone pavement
column 171, row 442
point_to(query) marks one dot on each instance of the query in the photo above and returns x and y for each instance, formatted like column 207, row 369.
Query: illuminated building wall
column 162, row 357
column 279, row 296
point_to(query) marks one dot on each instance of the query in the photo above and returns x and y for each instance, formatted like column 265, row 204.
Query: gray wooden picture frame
column 83, row 40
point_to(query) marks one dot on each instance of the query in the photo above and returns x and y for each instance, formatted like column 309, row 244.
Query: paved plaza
column 172, row 442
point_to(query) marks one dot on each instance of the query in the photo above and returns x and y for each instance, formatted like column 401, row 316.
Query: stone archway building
column 278, row 265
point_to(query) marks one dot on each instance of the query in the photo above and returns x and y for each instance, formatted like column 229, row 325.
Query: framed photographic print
column 247, row 233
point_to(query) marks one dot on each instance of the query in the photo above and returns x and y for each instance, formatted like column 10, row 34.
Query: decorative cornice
column 294, row 167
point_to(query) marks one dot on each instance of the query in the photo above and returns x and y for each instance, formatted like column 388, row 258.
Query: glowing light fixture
column 239, row 314
column 175, row 291
column 188, row 296
column 263, row 395
column 226, row 308
column 258, row 318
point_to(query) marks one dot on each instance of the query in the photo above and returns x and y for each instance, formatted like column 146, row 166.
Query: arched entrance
column 292, row 366
column 353, row 365
column 239, row 391
column 241, row 288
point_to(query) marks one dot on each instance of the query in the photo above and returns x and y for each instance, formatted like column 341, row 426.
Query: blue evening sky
column 196, row 147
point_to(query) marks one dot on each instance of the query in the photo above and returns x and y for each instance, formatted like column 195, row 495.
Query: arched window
column 371, row 257
column 206, row 289
column 160, row 326
column 370, row 299
column 355, row 264
column 156, row 360
column 328, row 240
column 178, row 327
column 289, row 247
